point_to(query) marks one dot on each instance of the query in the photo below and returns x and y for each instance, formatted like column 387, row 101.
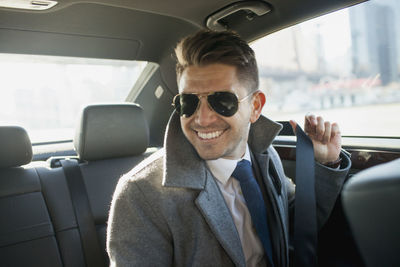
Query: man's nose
column 204, row 115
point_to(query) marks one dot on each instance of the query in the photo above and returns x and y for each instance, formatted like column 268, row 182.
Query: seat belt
column 305, row 213
column 91, row 247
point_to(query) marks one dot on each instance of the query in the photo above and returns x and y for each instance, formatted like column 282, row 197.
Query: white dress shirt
column 222, row 170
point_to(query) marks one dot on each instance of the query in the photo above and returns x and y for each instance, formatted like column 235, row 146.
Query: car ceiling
column 136, row 29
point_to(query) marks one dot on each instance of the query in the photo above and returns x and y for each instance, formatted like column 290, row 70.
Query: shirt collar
column 222, row 169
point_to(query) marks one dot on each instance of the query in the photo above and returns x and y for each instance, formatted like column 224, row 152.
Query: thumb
column 294, row 125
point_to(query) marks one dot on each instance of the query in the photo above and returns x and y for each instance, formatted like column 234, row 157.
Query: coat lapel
column 260, row 139
column 277, row 203
column 182, row 166
column 212, row 206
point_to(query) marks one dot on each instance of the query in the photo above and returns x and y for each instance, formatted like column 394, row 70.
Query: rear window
column 45, row 94
column 344, row 66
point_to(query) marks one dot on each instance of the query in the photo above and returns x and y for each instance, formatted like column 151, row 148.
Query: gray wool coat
column 169, row 211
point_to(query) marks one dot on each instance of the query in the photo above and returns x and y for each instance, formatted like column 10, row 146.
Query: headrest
column 110, row 131
column 370, row 200
column 380, row 177
column 15, row 147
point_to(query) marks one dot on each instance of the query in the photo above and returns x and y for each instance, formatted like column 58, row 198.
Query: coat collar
column 182, row 165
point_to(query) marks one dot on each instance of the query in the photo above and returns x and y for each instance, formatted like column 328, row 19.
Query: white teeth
column 209, row 135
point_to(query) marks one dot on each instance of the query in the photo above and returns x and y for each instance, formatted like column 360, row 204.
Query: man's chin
column 213, row 154
column 209, row 155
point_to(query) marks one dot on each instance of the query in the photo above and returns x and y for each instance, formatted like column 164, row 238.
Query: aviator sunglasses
column 224, row 103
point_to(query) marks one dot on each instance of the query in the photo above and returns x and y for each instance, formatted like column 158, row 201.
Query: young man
column 188, row 205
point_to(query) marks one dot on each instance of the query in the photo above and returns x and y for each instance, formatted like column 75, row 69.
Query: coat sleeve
column 328, row 184
column 136, row 235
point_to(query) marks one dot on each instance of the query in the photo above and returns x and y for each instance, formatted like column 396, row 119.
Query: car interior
column 46, row 220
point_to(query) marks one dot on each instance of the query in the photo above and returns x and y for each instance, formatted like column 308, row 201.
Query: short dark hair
column 208, row 47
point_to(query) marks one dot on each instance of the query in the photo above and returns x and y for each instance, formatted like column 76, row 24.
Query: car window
column 344, row 66
column 44, row 94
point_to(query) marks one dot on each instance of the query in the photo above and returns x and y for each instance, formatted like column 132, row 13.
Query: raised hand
column 326, row 138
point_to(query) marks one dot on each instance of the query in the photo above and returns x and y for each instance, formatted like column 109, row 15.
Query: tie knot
column 243, row 171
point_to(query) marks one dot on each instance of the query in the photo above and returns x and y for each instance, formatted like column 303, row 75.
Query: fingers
column 310, row 123
column 320, row 130
column 335, row 130
column 326, row 138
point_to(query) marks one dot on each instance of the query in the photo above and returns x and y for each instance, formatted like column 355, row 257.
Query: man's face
column 213, row 135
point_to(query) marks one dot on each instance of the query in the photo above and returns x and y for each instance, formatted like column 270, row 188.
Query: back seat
column 27, row 236
column 110, row 140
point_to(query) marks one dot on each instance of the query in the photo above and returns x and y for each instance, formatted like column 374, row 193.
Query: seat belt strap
column 91, row 247
column 305, row 213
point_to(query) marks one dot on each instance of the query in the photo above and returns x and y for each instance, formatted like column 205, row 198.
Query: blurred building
column 375, row 37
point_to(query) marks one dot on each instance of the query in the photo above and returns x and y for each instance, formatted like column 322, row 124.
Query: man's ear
column 257, row 106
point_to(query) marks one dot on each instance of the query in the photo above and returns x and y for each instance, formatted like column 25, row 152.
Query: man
column 186, row 205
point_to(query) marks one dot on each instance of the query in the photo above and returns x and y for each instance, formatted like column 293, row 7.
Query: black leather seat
column 110, row 140
column 371, row 201
column 27, row 236
column 38, row 226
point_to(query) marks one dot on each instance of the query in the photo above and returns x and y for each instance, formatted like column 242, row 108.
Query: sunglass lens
column 224, row 103
column 186, row 104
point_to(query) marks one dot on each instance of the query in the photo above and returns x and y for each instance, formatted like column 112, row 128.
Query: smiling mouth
column 209, row 135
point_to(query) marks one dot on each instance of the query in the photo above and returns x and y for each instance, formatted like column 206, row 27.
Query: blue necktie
column 255, row 203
